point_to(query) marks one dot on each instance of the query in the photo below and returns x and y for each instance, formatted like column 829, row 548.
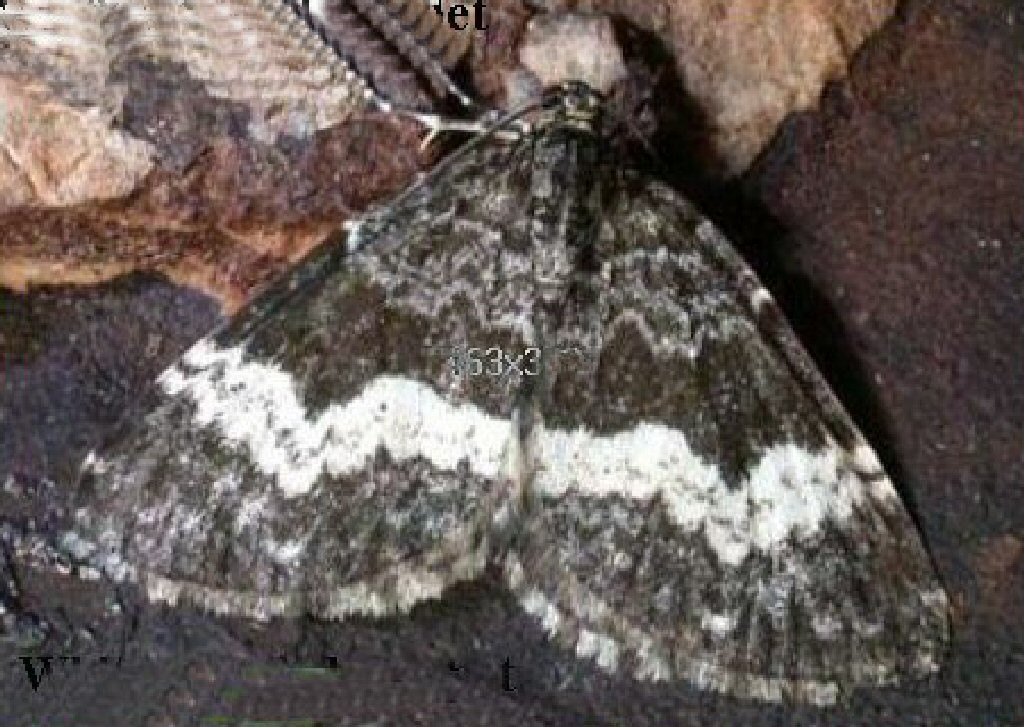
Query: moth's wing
column 704, row 508
column 320, row 453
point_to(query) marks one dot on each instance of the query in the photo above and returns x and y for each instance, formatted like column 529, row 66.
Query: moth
column 681, row 498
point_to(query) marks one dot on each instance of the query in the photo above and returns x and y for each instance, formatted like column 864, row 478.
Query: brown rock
column 572, row 46
column 209, row 143
column 213, row 205
column 53, row 155
column 240, row 214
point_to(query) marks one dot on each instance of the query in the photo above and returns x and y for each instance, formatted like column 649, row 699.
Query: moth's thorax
column 565, row 199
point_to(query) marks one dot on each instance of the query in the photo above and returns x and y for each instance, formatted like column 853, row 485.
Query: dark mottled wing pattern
column 676, row 494
column 705, row 508
column 320, row 453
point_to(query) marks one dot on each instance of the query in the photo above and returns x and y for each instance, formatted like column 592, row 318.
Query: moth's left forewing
column 706, row 509
column 318, row 453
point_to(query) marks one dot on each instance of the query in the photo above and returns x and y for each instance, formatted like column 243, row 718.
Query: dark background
column 889, row 225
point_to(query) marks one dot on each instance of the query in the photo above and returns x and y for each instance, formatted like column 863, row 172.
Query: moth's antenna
column 486, row 126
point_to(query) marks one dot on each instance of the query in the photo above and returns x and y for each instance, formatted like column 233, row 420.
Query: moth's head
column 575, row 104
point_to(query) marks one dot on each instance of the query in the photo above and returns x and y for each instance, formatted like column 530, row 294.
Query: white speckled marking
column 256, row 405
column 826, row 626
column 759, row 298
column 654, row 661
column 789, row 491
column 413, row 585
column 720, row 624
column 94, row 463
column 356, row 235
column 935, row 598
column 865, row 461
column 536, row 604
column 604, row 649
